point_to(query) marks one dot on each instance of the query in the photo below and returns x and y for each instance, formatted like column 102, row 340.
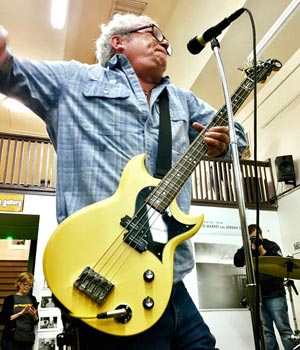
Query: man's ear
column 117, row 43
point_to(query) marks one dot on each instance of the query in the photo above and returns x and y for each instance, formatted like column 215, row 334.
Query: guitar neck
column 171, row 184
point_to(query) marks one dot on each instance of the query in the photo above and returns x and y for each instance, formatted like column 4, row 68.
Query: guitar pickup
column 134, row 236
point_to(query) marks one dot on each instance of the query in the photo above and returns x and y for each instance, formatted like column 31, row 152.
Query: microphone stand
column 252, row 291
column 290, row 284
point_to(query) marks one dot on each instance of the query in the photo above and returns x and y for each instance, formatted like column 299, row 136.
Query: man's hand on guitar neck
column 216, row 139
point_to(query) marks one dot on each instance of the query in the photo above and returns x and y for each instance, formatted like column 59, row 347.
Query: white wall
column 44, row 206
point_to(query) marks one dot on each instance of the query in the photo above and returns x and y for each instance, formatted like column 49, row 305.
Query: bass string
column 118, row 253
column 182, row 170
column 110, row 263
column 124, row 251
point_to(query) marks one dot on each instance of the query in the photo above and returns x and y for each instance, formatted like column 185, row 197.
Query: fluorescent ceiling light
column 59, row 13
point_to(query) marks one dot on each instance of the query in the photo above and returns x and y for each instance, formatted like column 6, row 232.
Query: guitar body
column 94, row 237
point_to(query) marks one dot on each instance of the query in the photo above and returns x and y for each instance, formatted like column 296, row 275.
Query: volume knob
column 148, row 303
column 148, row 275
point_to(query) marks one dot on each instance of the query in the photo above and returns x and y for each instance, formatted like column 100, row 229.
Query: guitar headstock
column 263, row 69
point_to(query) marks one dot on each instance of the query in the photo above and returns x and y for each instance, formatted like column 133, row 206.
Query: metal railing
column 213, row 184
column 29, row 164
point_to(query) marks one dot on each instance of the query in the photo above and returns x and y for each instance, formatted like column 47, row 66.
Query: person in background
column 274, row 306
column 98, row 118
column 19, row 310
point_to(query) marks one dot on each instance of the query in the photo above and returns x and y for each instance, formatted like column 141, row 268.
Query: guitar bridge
column 93, row 285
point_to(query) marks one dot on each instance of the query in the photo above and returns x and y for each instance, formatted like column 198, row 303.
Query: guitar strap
column 164, row 148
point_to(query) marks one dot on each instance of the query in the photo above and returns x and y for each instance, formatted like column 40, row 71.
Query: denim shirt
column 98, row 119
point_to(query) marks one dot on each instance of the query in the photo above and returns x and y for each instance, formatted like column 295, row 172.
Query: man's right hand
column 3, row 44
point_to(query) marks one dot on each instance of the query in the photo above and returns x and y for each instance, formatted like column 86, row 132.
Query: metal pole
column 252, row 290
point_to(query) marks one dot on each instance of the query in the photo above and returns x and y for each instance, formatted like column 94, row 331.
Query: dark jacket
column 7, row 311
column 271, row 287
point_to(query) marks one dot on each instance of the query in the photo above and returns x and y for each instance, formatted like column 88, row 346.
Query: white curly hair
column 119, row 24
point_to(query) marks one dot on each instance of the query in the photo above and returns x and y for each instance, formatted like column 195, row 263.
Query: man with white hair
column 98, row 118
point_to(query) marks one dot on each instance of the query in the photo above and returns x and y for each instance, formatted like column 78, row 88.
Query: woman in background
column 19, row 315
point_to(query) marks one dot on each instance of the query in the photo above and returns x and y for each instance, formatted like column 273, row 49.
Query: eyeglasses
column 158, row 35
column 27, row 284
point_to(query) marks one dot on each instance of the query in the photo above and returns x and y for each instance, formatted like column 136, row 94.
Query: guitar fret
column 177, row 177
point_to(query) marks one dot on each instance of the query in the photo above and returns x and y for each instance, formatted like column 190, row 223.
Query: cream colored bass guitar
column 111, row 263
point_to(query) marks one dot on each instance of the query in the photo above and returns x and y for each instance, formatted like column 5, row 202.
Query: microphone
column 197, row 44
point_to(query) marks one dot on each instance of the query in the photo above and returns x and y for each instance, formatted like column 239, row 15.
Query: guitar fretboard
column 161, row 197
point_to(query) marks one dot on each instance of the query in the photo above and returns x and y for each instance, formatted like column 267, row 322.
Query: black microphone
column 197, row 44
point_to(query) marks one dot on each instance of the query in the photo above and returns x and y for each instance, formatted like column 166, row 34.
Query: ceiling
column 31, row 36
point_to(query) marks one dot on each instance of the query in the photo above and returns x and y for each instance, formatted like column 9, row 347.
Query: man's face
column 146, row 54
column 253, row 234
column 254, row 241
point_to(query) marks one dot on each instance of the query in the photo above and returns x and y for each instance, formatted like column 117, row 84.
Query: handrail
column 28, row 164
column 213, row 183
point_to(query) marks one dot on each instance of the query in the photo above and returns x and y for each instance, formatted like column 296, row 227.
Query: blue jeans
column 275, row 310
column 180, row 328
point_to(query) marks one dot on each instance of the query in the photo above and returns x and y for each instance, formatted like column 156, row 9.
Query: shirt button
column 105, row 91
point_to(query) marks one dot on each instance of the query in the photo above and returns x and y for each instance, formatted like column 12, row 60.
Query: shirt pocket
column 106, row 90
column 105, row 105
